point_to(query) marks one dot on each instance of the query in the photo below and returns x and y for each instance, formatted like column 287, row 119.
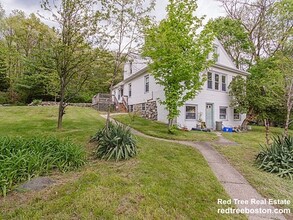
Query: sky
column 210, row 8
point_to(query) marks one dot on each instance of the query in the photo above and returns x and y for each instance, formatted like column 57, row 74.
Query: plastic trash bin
column 219, row 125
column 228, row 129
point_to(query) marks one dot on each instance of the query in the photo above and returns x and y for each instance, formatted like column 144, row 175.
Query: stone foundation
column 150, row 112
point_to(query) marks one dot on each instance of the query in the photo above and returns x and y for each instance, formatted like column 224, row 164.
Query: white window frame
column 217, row 82
column 226, row 115
column 236, row 113
column 130, row 67
column 223, row 83
column 146, row 83
column 211, row 80
column 215, row 53
column 131, row 108
column 195, row 114
column 119, row 94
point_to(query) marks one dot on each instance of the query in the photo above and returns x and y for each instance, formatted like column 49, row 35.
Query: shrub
column 278, row 157
column 22, row 159
column 4, row 99
column 116, row 142
column 36, row 102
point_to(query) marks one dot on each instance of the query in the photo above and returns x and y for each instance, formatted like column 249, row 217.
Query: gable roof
column 230, row 66
column 145, row 70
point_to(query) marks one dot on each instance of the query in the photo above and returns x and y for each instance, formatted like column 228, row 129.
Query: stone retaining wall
column 69, row 104
column 150, row 112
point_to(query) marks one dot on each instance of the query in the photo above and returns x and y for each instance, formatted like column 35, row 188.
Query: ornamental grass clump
column 22, row 159
column 115, row 143
column 277, row 157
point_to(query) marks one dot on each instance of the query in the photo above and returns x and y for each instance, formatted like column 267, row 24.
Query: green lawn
column 158, row 129
column 78, row 124
column 165, row 181
column 242, row 157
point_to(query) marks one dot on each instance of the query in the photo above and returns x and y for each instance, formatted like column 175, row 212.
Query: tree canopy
column 179, row 54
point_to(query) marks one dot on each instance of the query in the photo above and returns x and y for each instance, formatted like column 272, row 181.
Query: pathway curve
column 233, row 182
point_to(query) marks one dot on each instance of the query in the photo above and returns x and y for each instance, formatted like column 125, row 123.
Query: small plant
column 36, row 102
column 173, row 129
column 116, row 142
column 132, row 116
column 22, row 159
column 277, row 157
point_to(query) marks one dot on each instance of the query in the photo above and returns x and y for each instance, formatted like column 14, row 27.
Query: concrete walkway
column 233, row 182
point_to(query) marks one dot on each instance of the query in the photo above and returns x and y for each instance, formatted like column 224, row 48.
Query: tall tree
column 268, row 23
column 283, row 71
column 75, row 22
column 235, row 40
column 179, row 54
column 4, row 82
column 124, row 24
column 22, row 38
column 262, row 95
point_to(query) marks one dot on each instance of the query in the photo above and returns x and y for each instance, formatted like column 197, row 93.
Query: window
column 216, row 81
column 143, row 106
column 210, row 80
column 219, row 81
column 236, row 115
column 130, row 67
column 190, row 112
column 223, row 113
column 146, row 84
column 129, row 90
column 122, row 91
column 215, row 54
column 131, row 108
column 224, row 83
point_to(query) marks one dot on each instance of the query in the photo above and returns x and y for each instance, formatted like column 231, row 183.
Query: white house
column 140, row 93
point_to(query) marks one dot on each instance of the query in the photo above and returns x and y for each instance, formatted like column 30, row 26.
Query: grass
column 243, row 158
column 165, row 180
column 22, row 159
column 160, row 130
column 78, row 123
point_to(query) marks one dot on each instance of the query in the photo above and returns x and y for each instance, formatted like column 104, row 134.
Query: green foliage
column 22, row 159
column 234, row 38
column 278, row 157
column 238, row 92
column 4, row 99
column 36, row 102
column 115, row 142
column 259, row 90
column 31, row 53
column 179, row 54
column 4, row 81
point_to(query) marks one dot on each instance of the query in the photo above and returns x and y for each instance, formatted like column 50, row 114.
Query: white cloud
column 210, row 8
column 28, row 6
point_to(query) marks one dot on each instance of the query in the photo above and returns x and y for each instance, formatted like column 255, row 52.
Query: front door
column 210, row 115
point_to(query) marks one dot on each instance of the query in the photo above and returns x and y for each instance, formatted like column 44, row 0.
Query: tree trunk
column 287, row 122
column 115, row 73
column 61, row 104
column 109, row 106
column 267, row 126
column 249, row 117
column 170, row 125
column 289, row 108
